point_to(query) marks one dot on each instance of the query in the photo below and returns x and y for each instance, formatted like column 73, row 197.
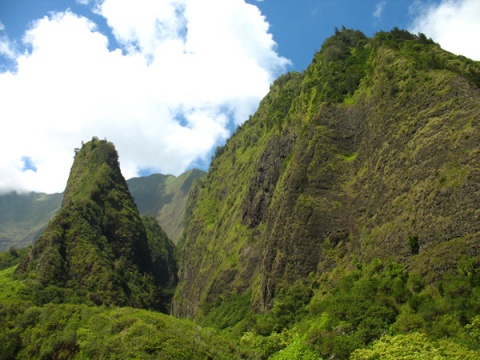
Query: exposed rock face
column 266, row 175
column 373, row 152
column 95, row 248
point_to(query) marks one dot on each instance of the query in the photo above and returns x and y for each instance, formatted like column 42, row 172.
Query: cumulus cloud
column 454, row 24
column 183, row 73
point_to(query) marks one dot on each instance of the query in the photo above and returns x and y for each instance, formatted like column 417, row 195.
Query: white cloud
column 186, row 68
column 379, row 9
column 454, row 24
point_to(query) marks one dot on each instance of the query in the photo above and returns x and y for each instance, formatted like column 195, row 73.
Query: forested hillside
column 352, row 195
column 340, row 221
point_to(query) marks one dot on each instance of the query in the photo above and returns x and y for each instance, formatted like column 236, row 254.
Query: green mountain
column 96, row 247
column 165, row 198
column 23, row 217
column 371, row 156
column 341, row 221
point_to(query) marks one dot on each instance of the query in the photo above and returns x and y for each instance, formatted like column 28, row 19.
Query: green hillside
column 165, row 198
column 80, row 331
column 24, row 216
column 353, row 181
column 341, row 221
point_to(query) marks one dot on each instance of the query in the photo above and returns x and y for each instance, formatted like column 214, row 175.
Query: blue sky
column 168, row 80
column 300, row 27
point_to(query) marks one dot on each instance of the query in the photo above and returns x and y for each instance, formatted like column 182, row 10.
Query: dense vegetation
column 370, row 155
column 80, row 331
column 96, row 249
column 23, row 217
column 340, row 221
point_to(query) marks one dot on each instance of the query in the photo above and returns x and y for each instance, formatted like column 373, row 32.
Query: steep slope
column 164, row 256
column 373, row 152
column 164, row 197
column 23, row 217
column 95, row 249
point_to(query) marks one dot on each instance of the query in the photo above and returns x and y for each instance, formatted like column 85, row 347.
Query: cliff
column 372, row 152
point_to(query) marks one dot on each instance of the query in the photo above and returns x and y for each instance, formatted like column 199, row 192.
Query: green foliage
column 413, row 346
column 96, row 247
column 426, row 54
column 79, row 332
column 262, row 347
column 413, row 244
column 289, row 307
column 12, row 256
column 361, row 309
column 296, row 349
column 381, row 298
column 164, row 256
column 283, row 91
column 164, row 253
column 329, row 345
column 342, row 65
column 231, row 312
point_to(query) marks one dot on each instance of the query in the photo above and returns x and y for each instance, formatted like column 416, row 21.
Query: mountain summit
column 96, row 247
column 371, row 153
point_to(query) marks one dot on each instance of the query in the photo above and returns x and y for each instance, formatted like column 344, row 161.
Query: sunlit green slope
column 80, row 331
column 371, row 156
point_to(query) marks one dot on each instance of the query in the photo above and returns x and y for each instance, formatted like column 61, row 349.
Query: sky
column 167, row 81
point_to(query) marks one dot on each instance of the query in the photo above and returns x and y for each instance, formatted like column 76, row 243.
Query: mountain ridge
column 340, row 163
column 340, row 221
